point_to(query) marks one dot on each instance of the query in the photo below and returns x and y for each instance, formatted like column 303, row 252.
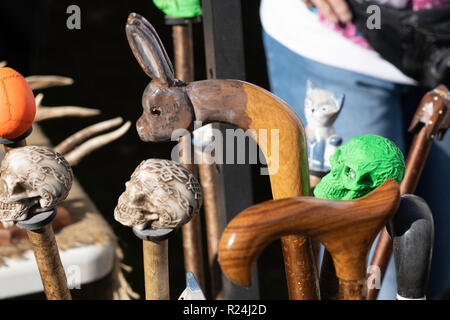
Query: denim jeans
column 373, row 106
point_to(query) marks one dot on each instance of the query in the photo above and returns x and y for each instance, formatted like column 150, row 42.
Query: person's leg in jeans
column 371, row 106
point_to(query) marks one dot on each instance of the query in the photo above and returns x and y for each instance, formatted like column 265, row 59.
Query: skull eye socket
column 139, row 198
column 155, row 111
column 349, row 172
column 366, row 180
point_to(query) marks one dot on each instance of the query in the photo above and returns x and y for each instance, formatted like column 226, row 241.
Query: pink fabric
column 428, row 4
column 349, row 30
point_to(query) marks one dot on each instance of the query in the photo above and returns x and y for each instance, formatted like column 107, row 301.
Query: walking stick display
column 171, row 104
column 357, row 167
column 345, row 228
column 34, row 181
column 431, row 119
column 160, row 197
column 412, row 233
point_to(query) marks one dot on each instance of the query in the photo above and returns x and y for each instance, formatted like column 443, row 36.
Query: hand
column 334, row 11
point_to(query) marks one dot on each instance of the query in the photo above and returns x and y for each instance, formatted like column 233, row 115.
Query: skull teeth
column 128, row 210
column 9, row 206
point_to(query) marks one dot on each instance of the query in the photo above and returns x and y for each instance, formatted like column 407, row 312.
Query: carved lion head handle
column 433, row 113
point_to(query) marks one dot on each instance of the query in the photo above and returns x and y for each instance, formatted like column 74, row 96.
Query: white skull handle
column 32, row 179
column 161, row 194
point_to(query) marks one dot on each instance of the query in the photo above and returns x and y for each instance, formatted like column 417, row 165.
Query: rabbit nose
column 142, row 130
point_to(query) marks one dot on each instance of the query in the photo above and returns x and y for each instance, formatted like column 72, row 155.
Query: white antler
column 42, row 82
column 74, row 155
column 44, row 113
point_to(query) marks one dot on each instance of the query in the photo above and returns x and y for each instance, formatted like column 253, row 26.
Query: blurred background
column 34, row 40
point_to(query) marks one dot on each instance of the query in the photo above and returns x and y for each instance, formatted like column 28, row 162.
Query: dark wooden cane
column 431, row 119
column 184, row 70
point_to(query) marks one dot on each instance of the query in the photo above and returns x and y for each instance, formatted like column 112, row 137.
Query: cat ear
column 340, row 101
column 309, row 86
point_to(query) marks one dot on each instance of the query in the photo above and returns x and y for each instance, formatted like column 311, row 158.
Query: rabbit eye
column 155, row 111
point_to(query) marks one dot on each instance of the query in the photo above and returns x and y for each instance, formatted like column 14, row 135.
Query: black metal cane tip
column 37, row 220
column 153, row 234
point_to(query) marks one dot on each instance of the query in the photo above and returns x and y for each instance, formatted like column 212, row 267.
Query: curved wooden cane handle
column 280, row 134
column 346, row 228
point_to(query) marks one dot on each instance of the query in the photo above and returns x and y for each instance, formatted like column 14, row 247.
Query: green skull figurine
column 359, row 166
column 179, row 8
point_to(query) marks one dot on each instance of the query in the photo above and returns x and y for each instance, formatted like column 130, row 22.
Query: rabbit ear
column 148, row 49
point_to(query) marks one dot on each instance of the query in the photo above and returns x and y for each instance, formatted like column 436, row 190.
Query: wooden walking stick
column 184, row 70
column 171, row 104
column 35, row 184
column 160, row 197
column 345, row 228
column 431, row 119
column 412, row 233
column 357, row 167
column 321, row 109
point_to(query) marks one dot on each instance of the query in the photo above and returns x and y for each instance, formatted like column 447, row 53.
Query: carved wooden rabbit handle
column 346, row 228
column 170, row 104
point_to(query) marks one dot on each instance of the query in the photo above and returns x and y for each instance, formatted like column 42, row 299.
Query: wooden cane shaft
column 210, row 204
column 415, row 162
column 298, row 269
column 184, row 70
column 352, row 289
column 49, row 263
column 183, row 52
column 192, row 240
column 192, row 249
column 156, row 270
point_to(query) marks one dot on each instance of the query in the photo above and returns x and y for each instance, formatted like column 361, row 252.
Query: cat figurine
column 321, row 110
